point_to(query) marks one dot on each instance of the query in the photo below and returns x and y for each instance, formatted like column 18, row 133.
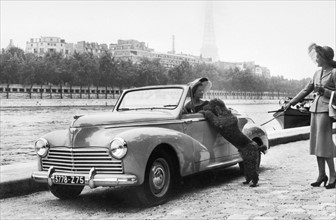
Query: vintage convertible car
column 147, row 141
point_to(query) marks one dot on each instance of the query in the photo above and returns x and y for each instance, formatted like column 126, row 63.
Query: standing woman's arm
column 304, row 92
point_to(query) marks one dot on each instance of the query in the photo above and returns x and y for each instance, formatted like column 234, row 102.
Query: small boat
column 295, row 116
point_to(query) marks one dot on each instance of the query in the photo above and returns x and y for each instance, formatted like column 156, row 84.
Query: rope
column 279, row 113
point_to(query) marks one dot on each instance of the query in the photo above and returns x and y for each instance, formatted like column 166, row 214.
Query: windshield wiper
column 125, row 109
column 129, row 109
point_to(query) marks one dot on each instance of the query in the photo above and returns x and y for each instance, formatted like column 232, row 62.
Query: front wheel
column 158, row 180
column 65, row 191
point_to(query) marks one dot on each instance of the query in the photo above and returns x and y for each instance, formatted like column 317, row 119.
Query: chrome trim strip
column 231, row 162
column 155, row 123
column 193, row 119
column 143, row 124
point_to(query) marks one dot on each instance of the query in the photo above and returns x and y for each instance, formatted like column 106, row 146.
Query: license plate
column 63, row 179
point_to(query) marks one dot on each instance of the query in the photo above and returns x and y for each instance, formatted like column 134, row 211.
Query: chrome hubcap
column 159, row 177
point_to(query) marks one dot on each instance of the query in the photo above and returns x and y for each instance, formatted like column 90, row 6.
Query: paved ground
column 284, row 193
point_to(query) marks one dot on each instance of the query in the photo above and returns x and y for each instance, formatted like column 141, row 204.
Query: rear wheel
column 158, row 180
column 65, row 191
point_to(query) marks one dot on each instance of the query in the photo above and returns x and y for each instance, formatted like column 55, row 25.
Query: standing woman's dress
column 321, row 142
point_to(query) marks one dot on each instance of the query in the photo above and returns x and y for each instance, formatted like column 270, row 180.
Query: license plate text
column 63, row 179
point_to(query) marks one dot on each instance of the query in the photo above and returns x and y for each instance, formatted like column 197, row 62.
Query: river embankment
column 9, row 103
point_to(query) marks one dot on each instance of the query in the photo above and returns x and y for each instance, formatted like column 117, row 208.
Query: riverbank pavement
column 15, row 179
column 15, row 103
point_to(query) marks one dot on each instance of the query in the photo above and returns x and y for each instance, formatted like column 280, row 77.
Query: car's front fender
column 142, row 141
column 58, row 138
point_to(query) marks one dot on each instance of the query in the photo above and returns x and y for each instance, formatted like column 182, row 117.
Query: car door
column 235, row 155
column 210, row 148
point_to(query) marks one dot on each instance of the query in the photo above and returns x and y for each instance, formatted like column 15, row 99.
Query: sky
column 273, row 34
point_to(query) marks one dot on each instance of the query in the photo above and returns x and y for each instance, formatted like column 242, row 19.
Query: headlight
column 41, row 147
column 118, row 148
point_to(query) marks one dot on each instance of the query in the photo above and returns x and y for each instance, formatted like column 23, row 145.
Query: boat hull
column 293, row 118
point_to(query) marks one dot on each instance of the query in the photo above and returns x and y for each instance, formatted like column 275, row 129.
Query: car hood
column 121, row 118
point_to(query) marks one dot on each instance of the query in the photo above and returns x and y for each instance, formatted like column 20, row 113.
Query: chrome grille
column 81, row 160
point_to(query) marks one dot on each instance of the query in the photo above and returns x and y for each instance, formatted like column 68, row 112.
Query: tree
column 114, row 75
column 150, row 72
column 88, row 70
column 53, row 67
column 209, row 71
column 105, row 67
column 181, row 74
column 129, row 74
column 11, row 65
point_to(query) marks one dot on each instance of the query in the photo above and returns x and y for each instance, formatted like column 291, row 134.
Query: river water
column 22, row 125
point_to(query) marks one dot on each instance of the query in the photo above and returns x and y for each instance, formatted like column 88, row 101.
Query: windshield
column 160, row 98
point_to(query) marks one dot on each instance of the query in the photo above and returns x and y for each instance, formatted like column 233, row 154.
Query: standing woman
column 323, row 83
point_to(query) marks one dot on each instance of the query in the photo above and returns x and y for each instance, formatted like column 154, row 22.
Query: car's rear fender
column 255, row 132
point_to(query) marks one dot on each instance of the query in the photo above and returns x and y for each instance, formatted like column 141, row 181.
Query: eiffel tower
column 209, row 48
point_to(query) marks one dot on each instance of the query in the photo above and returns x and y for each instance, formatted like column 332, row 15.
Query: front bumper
column 92, row 179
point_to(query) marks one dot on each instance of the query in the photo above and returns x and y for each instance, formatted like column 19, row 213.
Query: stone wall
column 56, row 102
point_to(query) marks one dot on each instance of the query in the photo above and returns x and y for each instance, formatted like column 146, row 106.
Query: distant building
column 262, row 71
column 10, row 45
column 69, row 49
column 258, row 70
column 129, row 45
column 242, row 66
column 94, row 48
column 43, row 45
column 132, row 50
column 135, row 51
column 265, row 72
column 232, row 65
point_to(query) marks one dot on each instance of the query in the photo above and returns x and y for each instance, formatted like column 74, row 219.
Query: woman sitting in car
column 198, row 88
